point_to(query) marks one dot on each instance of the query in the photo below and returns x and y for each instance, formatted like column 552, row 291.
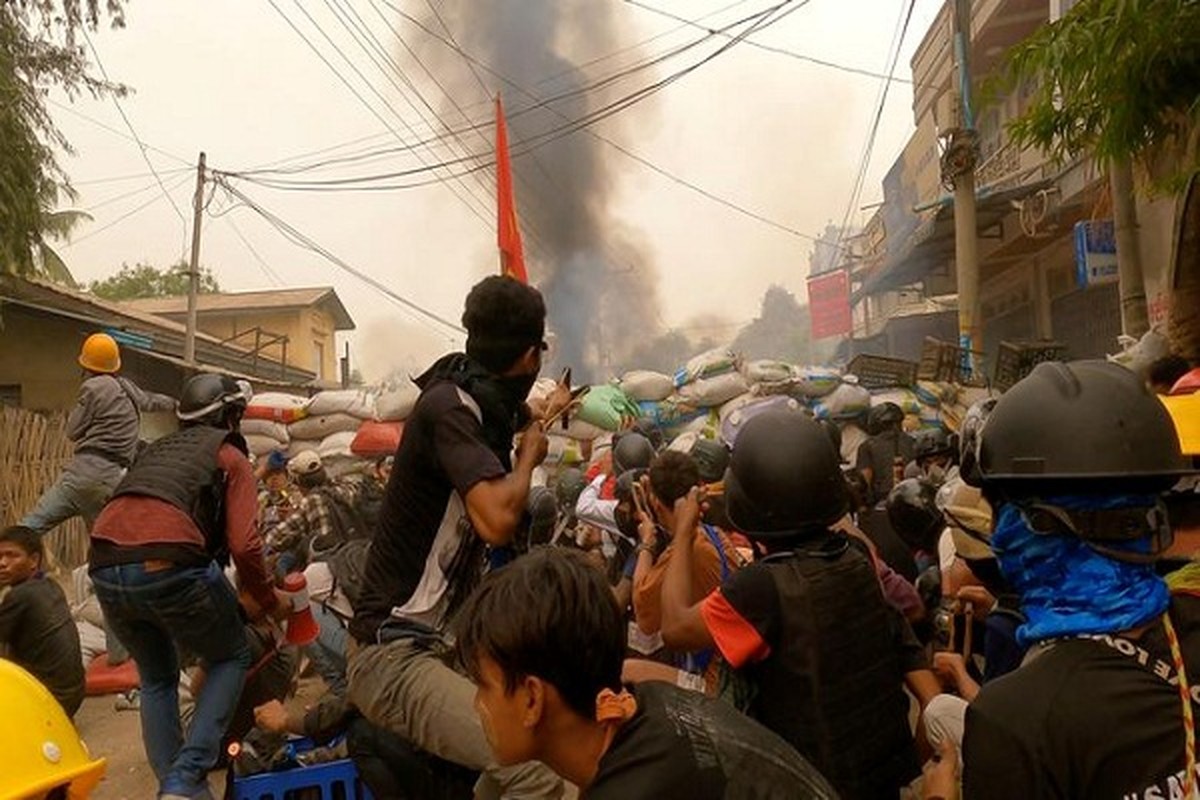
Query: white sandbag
column 395, row 402
column 318, row 427
column 846, row 401
column 297, row 446
column 705, row 427
column 542, row 389
column 262, row 445
column 735, row 419
column 355, row 402
column 646, row 385
column 336, row 445
column 583, row 431
column 741, row 401
column 713, row 392
column 817, row 381
column 265, row 428
column 707, row 365
column 852, row 439
column 277, row 407
column 767, row 371
column 684, row 442
column 905, row 398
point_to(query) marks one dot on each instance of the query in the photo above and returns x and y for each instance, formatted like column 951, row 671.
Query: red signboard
column 829, row 304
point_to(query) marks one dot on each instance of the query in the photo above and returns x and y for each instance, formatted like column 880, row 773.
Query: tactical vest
column 833, row 685
column 181, row 469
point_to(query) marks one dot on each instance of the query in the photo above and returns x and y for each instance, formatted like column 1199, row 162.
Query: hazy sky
column 774, row 134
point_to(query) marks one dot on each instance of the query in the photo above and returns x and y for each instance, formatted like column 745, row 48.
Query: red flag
column 508, row 231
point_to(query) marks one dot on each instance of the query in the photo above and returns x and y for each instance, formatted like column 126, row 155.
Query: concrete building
column 43, row 325
column 1032, row 285
column 297, row 327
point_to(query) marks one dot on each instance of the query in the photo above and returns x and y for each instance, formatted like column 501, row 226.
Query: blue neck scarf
column 1066, row 587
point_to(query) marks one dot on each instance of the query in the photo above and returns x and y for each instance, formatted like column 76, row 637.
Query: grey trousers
column 412, row 691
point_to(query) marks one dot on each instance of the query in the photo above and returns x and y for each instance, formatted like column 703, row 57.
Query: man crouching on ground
column 454, row 490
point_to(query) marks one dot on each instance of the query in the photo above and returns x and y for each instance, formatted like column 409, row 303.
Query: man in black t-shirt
column 455, row 489
column 36, row 629
column 1072, row 460
column 544, row 642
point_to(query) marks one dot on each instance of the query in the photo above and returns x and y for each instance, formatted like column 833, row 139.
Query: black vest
column 181, row 469
column 833, row 684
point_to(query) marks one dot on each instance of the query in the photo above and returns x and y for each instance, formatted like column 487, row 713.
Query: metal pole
column 1135, row 319
column 966, row 259
column 189, row 342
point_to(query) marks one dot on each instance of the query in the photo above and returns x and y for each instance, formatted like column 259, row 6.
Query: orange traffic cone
column 302, row 629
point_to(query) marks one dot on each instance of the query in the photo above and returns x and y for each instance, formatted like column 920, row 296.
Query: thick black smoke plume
column 599, row 285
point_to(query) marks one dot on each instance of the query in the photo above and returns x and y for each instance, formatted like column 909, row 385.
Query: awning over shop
column 931, row 244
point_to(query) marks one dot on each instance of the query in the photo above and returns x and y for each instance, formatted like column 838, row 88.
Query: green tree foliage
column 144, row 280
column 39, row 50
column 782, row 330
column 1119, row 79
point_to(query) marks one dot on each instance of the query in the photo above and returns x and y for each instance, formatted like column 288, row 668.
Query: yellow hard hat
column 41, row 748
column 1185, row 412
column 100, row 354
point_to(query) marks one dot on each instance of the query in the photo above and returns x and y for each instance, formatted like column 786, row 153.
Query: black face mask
column 516, row 388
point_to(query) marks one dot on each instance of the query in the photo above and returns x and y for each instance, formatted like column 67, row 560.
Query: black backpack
column 348, row 563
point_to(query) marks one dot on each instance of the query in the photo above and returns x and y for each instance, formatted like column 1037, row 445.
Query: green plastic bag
column 607, row 407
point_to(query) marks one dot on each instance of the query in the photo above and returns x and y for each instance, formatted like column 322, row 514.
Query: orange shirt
column 706, row 577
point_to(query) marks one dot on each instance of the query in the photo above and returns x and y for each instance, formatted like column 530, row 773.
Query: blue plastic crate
column 336, row 780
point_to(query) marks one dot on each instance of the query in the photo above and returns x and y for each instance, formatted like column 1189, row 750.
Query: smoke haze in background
column 601, row 289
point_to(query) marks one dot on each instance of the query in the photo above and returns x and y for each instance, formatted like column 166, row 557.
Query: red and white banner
column 829, row 304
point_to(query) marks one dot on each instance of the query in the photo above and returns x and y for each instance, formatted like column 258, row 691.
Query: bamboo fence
column 33, row 451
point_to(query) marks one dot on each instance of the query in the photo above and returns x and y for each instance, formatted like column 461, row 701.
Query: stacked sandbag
column 646, row 386
column 330, row 424
column 735, row 415
column 394, row 402
column 376, row 439
column 264, row 424
column 606, row 408
column 847, row 401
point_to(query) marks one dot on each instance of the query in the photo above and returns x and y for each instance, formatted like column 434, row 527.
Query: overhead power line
column 141, row 145
column 300, row 239
column 761, row 21
column 770, row 48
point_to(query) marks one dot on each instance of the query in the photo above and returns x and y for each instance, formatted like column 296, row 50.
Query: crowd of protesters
column 1011, row 611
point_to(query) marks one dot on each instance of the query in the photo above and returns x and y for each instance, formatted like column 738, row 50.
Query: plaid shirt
column 313, row 519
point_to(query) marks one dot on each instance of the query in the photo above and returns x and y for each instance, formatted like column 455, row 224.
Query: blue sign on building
column 1095, row 253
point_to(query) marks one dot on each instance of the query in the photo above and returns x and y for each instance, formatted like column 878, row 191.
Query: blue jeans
column 328, row 652
column 196, row 610
column 70, row 496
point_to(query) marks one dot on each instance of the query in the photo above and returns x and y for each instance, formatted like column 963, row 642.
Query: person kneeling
column 543, row 641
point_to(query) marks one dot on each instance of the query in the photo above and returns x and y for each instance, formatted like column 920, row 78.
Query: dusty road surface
column 117, row 737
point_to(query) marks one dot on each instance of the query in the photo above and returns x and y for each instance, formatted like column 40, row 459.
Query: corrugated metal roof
column 218, row 302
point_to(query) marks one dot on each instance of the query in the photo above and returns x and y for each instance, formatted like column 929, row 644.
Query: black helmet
column 784, row 477
column 834, row 432
column 883, row 416
column 623, row 491
column 968, row 443
column 1076, row 424
column 712, row 459
column 543, row 515
column 211, row 399
column 914, row 515
column 571, row 483
column 933, row 442
column 632, row 451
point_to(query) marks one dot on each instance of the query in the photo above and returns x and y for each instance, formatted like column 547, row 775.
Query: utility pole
column 1135, row 319
column 189, row 341
column 958, row 171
